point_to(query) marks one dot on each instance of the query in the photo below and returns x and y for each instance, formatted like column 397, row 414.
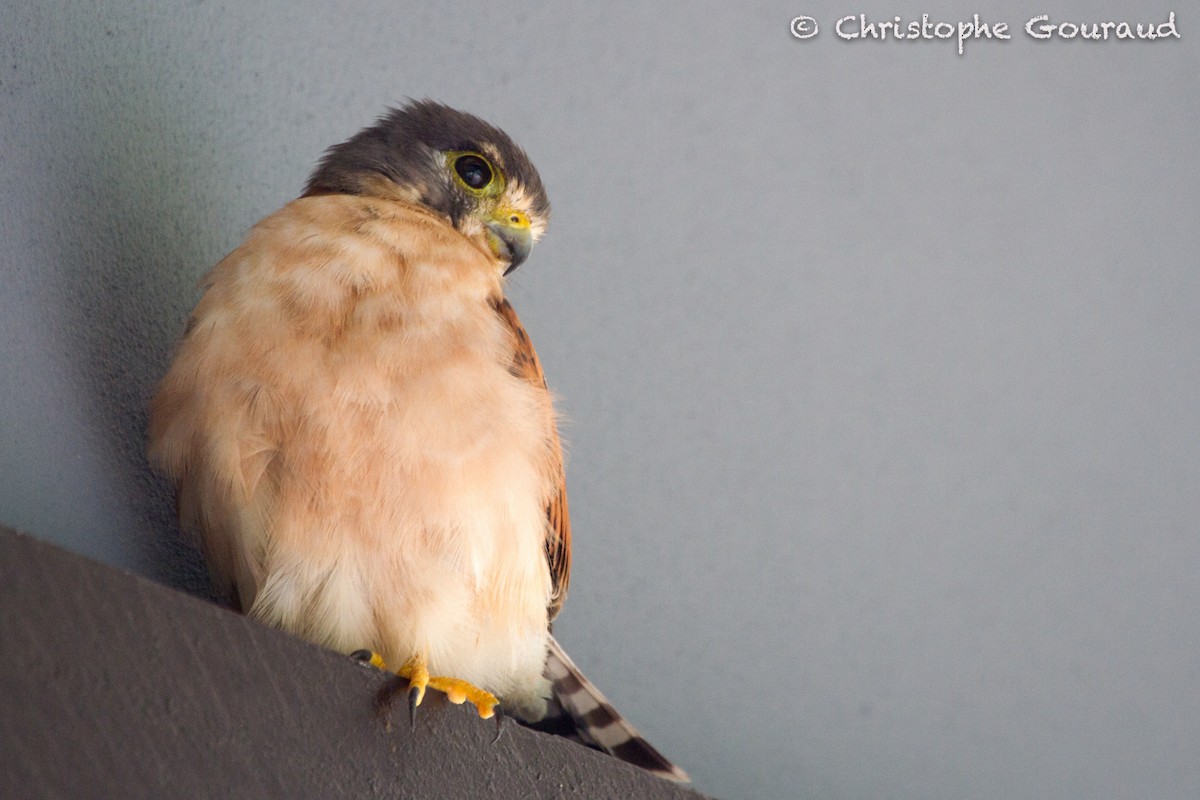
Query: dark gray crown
column 404, row 147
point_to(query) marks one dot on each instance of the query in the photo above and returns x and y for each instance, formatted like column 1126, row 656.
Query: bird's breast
column 410, row 489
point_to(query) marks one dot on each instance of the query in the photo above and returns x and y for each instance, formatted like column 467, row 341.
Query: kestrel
column 359, row 430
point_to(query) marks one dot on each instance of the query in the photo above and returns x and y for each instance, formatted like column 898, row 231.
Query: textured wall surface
column 881, row 363
column 194, row 701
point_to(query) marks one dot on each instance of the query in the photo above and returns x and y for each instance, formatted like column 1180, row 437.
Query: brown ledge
column 114, row 686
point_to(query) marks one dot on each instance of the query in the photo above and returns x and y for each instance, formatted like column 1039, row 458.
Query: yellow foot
column 458, row 691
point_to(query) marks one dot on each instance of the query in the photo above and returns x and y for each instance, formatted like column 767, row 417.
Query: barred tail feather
column 593, row 719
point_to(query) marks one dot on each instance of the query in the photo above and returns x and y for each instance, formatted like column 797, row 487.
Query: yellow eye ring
column 475, row 173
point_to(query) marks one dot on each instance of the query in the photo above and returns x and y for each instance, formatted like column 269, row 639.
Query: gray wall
column 881, row 363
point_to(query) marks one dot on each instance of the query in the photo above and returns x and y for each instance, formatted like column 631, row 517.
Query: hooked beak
column 509, row 236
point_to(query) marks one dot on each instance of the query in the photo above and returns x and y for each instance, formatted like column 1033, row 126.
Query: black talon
column 363, row 656
column 499, row 724
column 413, row 694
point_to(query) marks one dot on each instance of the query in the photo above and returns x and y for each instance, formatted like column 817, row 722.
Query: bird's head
column 452, row 163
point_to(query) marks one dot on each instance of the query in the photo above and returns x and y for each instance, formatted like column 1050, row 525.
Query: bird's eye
column 474, row 171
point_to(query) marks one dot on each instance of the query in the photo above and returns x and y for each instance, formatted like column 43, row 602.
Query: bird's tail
column 577, row 707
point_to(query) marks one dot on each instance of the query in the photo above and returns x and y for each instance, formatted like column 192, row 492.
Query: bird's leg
column 416, row 672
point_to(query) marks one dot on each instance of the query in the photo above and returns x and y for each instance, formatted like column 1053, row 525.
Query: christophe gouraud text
column 861, row 27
